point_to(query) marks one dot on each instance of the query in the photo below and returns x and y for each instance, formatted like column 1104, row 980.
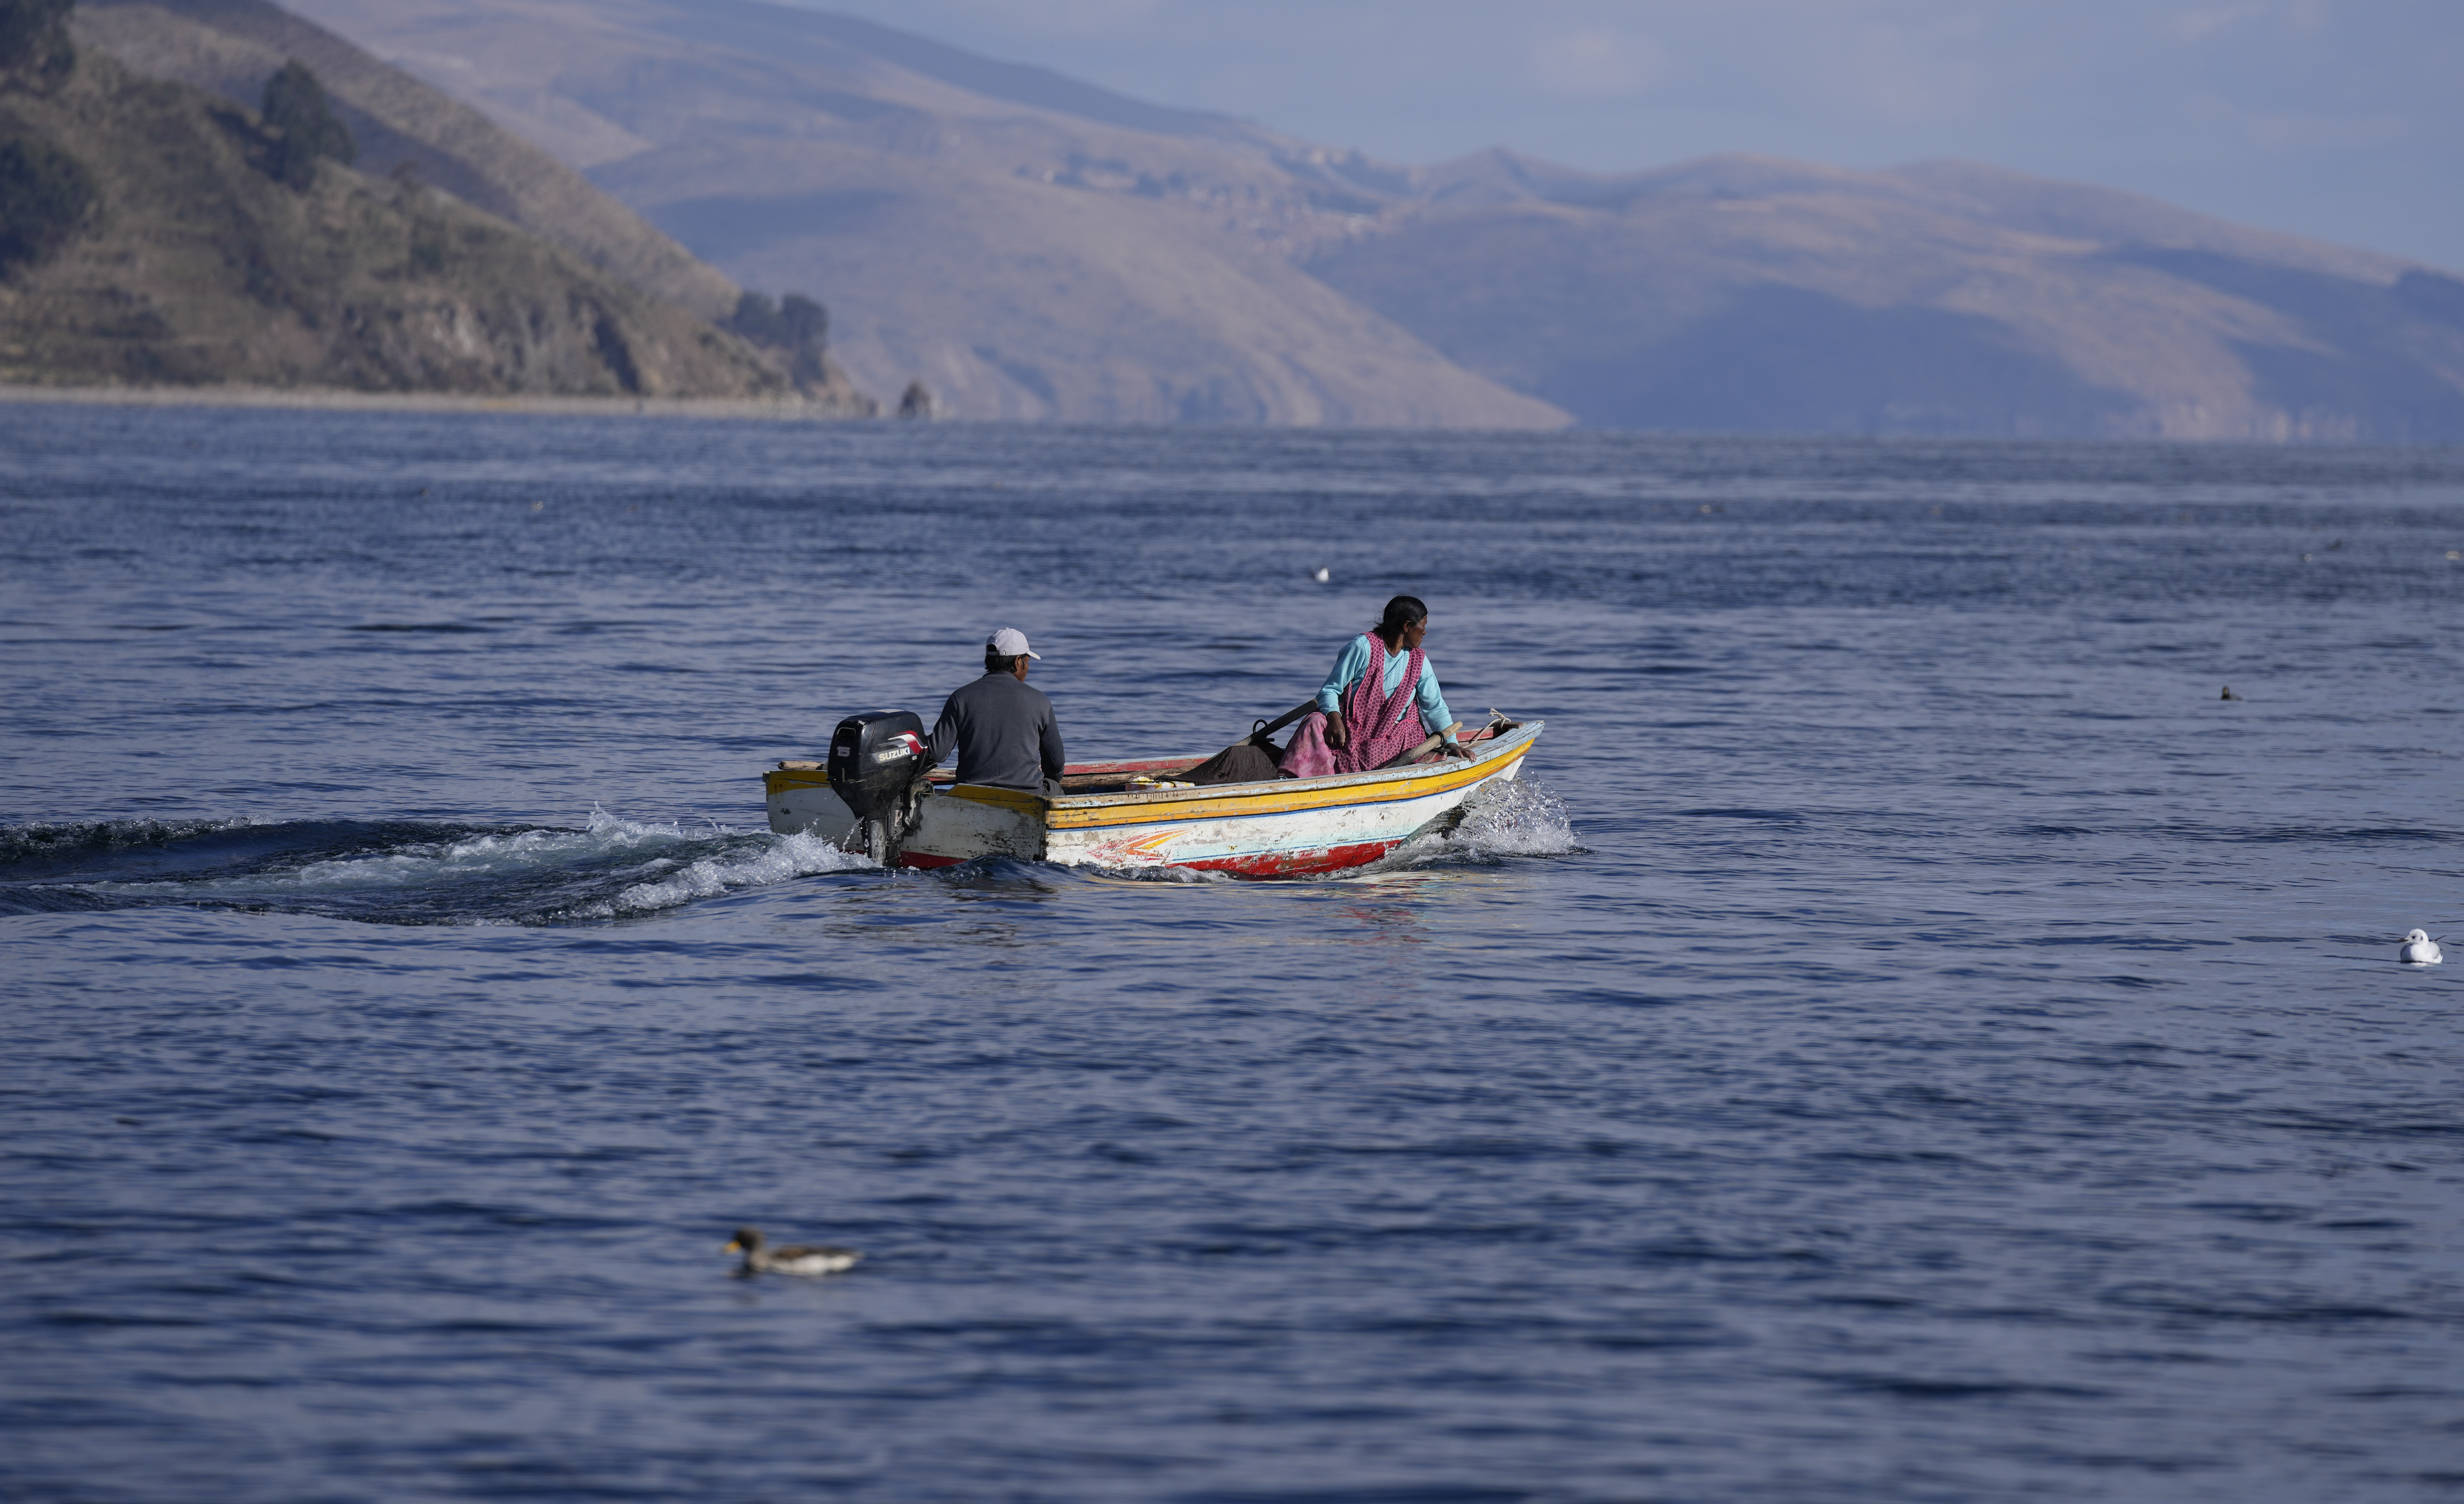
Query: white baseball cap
column 1009, row 642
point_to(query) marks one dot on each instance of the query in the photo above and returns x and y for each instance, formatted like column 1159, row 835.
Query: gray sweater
column 1003, row 732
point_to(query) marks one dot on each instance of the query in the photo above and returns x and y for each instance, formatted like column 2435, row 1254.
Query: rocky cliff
column 404, row 128
column 193, row 261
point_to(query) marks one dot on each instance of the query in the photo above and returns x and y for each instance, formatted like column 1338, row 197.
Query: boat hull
column 1288, row 827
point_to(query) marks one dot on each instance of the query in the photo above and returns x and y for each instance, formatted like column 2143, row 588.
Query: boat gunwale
column 1224, row 801
column 1525, row 732
column 1219, row 801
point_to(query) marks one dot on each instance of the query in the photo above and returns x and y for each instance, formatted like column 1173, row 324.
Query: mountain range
column 1945, row 297
column 1031, row 247
column 1038, row 248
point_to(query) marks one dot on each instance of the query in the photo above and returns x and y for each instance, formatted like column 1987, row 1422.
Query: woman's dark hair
column 1000, row 662
column 1400, row 612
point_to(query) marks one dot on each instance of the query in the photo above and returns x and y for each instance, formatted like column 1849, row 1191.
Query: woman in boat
column 1364, row 719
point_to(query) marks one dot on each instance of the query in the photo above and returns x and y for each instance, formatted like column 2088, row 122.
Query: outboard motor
column 877, row 766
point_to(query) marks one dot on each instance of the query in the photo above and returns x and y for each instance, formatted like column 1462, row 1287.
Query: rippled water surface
column 1910, row 1038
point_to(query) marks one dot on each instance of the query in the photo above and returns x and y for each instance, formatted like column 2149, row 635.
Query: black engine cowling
column 873, row 757
column 875, row 760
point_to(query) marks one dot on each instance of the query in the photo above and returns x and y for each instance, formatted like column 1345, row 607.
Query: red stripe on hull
column 1296, row 864
column 1266, row 864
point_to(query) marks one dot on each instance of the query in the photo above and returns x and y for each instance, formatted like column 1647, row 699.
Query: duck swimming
column 2419, row 950
column 762, row 1259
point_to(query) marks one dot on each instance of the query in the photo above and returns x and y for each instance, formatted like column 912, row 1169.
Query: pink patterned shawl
column 1380, row 726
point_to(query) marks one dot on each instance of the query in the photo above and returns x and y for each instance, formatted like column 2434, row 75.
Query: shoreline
column 788, row 410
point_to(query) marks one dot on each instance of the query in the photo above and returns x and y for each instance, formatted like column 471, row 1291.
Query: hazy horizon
column 2334, row 123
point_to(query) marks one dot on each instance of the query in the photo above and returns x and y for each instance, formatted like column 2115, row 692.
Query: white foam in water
column 1520, row 818
column 21, row 842
column 788, row 856
column 474, row 858
column 662, row 879
column 1506, row 818
column 488, row 856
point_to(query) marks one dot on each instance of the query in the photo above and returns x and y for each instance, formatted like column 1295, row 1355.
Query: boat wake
column 399, row 872
column 1503, row 819
column 402, row 871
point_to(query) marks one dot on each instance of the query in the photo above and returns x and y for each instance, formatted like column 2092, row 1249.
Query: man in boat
column 1002, row 730
column 1364, row 719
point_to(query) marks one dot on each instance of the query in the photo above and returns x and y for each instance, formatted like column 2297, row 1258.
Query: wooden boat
column 1286, row 827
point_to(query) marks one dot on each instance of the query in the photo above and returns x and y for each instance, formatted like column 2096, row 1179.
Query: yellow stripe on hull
column 1170, row 827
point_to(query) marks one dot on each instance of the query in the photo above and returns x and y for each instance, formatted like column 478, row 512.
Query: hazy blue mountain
column 758, row 29
column 1754, row 294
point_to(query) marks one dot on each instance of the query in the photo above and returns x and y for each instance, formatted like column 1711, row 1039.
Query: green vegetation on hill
column 305, row 129
column 34, row 40
column 156, row 234
column 45, row 194
column 795, row 326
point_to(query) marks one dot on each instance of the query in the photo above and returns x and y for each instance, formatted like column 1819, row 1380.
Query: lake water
column 1910, row 1038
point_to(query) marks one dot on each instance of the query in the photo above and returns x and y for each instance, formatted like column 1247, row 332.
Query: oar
column 1421, row 751
column 1283, row 719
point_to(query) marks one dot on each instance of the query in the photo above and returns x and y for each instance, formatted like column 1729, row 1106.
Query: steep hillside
column 404, row 127
column 192, row 261
column 1031, row 247
column 1019, row 300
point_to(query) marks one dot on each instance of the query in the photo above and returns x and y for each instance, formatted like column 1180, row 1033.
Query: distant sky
column 2342, row 119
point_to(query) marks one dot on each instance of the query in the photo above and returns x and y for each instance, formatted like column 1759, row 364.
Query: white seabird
column 1320, row 576
column 2419, row 950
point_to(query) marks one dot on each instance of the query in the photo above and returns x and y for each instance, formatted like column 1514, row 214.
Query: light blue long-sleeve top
column 1354, row 661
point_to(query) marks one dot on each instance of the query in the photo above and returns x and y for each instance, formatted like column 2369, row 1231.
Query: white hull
column 1284, row 827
